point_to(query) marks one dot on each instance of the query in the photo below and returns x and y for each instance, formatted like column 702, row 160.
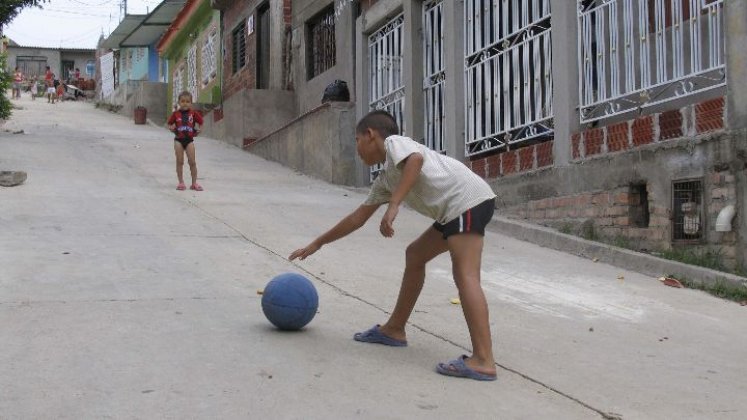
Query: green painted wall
column 202, row 23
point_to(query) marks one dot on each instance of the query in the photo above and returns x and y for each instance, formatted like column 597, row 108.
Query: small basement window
column 639, row 213
column 687, row 209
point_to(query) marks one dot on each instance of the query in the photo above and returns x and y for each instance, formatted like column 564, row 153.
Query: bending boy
column 460, row 202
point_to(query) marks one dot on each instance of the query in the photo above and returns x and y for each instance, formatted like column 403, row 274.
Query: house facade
column 32, row 61
column 617, row 120
column 256, row 70
column 192, row 48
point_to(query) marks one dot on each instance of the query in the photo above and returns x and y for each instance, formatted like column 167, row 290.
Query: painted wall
column 133, row 64
column 194, row 34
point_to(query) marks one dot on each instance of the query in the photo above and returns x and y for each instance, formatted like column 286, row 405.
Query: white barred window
column 209, row 58
column 192, row 71
column 178, row 85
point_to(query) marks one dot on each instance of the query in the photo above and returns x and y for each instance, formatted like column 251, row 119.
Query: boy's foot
column 181, row 186
column 196, row 187
column 373, row 335
column 458, row 368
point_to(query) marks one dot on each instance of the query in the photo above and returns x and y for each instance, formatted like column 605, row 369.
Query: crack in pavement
column 343, row 292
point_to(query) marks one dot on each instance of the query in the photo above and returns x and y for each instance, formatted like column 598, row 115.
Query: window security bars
column 434, row 81
column 322, row 53
column 635, row 54
column 386, row 89
column 192, row 71
column 178, row 86
column 209, row 57
column 238, row 47
column 508, row 77
column 687, row 206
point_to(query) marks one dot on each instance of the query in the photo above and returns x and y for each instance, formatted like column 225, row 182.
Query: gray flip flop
column 373, row 335
column 459, row 369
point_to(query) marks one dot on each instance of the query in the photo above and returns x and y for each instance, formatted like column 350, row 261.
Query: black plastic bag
column 336, row 91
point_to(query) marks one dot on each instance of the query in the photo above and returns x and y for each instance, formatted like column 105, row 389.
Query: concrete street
column 123, row 298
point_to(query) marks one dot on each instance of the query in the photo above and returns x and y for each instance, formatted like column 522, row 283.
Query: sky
column 72, row 23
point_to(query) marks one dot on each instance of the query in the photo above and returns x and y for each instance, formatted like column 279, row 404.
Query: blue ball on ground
column 290, row 301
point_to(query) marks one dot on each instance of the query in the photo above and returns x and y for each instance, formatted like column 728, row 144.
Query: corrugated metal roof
column 154, row 25
column 123, row 30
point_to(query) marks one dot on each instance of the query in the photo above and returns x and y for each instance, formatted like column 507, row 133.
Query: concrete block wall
column 320, row 143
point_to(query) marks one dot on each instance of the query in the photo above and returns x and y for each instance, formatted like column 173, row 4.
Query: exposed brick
column 642, row 130
column 248, row 141
column 544, row 154
column 494, row 166
column 217, row 114
column 509, row 162
column 479, row 167
column 526, row 158
column 602, row 199
column 622, row 198
column 670, row 125
column 617, row 137
column 576, row 145
column 709, row 115
column 593, row 141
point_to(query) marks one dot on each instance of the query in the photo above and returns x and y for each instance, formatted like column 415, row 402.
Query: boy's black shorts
column 473, row 220
column 185, row 142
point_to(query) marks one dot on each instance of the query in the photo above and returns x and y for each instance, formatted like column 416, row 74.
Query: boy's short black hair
column 380, row 121
column 185, row 93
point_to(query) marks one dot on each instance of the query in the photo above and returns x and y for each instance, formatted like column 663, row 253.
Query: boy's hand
column 387, row 222
column 302, row 253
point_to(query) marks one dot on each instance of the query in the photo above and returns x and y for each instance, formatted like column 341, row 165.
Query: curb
column 619, row 257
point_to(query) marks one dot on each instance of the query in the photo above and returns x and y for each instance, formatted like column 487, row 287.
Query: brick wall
column 245, row 77
column 692, row 120
column 613, row 215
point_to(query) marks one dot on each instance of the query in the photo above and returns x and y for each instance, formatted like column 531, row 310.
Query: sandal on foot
column 459, row 369
column 196, row 187
column 181, row 186
column 373, row 335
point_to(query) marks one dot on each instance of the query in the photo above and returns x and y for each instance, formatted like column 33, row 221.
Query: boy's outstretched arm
column 344, row 227
column 410, row 172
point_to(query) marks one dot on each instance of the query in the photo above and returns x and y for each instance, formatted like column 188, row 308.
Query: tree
column 9, row 9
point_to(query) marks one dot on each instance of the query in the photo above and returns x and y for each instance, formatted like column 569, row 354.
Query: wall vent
column 687, row 209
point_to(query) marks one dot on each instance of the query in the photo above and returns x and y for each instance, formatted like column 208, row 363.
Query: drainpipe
column 724, row 218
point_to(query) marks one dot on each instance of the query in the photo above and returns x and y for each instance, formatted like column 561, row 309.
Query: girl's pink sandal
column 196, row 187
column 181, row 186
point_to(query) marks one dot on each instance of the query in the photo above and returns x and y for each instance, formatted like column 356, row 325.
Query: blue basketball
column 290, row 301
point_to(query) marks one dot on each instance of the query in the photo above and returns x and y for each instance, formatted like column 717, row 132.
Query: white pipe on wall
column 723, row 220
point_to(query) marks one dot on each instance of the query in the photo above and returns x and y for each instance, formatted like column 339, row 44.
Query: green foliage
column 707, row 259
column 5, row 81
column 9, row 9
column 722, row 289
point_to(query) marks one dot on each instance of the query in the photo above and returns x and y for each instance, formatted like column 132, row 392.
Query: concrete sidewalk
column 121, row 297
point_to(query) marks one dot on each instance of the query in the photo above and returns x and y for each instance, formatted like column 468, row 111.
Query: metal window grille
column 386, row 80
column 687, row 206
column 209, row 57
column 192, row 71
column 635, row 54
column 434, row 81
column 322, row 53
column 238, row 47
column 178, row 85
column 508, row 77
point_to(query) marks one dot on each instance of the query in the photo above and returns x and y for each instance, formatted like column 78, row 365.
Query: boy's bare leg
column 179, row 152
column 466, row 258
column 192, row 162
column 429, row 245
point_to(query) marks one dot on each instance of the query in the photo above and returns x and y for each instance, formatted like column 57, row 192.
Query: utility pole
column 122, row 9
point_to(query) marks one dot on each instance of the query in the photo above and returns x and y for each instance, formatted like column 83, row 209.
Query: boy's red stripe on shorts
column 469, row 221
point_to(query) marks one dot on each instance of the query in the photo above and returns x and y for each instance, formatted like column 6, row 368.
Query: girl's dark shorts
column 473, row 220
column 185, row 142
